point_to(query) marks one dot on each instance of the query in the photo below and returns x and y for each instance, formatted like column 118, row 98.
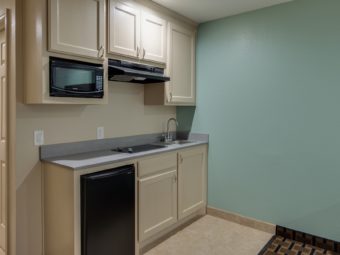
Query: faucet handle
column 169, row 138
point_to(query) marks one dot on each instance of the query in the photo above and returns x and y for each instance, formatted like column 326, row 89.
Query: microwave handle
column 77, row 92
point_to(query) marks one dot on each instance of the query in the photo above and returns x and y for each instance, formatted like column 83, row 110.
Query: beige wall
column 124, row 115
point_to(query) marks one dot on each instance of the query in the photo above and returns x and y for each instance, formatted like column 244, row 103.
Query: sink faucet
column 168, row 137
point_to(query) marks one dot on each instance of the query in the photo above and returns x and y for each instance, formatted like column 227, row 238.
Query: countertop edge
column 127, row 157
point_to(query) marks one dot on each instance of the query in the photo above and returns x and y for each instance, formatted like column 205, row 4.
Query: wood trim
column 3, row 136
column 7, row 17
column 242, row 220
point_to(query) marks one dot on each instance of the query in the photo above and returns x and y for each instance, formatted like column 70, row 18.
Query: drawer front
column 158, row 163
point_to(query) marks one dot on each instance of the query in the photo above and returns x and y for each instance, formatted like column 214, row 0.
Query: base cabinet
column 191, row 181
column 171, row 187
column 170, row 190
column 157, row 203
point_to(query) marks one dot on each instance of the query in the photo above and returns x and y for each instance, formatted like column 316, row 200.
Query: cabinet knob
column 138, row 50
column 144, row 53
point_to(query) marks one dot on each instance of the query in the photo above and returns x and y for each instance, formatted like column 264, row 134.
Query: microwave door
column 72, row 79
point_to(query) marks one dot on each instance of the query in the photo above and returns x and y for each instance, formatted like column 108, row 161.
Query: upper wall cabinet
column 124, row 29
column 77, row 27
column 69, row 29
column 153, row 38
column 181, row 65
column 135, row 33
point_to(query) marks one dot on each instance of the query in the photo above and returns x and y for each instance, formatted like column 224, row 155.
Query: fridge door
column 108, row 212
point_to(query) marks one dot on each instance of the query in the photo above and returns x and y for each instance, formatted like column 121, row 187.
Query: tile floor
column 213, row 236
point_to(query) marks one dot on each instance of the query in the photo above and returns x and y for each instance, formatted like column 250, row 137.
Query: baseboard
column 242, row 220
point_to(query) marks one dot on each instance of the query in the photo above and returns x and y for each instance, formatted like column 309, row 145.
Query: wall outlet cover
column 100, row 132
column 38, row 137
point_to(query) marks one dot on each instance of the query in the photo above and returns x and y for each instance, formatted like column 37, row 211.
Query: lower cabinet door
column 157, row 203
column 191, row 181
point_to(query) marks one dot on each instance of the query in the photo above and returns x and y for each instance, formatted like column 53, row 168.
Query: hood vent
column 125, row 71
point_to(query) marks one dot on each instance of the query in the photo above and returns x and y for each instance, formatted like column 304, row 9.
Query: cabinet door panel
column 157, row 203
column 181, row 63
column 153, row 38
column 124, row 29
column 77, row 27
column 191, row 181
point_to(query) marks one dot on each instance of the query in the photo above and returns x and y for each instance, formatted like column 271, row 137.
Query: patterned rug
column 283, row 246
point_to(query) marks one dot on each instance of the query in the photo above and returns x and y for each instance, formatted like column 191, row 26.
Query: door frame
column 4, row 24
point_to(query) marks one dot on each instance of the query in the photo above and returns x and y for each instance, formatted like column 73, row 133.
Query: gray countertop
column 97, row 157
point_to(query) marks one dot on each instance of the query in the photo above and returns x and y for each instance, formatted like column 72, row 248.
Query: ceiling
column 206, row 10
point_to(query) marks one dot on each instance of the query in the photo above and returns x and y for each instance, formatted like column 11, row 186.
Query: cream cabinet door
column 124, row 29
column 157, row 203
column 191, row 181
column 153, row 38
column 181, row 66
column 76, row 27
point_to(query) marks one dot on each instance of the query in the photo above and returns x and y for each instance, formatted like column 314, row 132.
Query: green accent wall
column 268, row 85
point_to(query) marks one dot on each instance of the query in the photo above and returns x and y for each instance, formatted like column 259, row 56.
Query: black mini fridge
column 108, row 212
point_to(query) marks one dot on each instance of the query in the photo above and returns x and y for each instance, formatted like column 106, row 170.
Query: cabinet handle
column 170, row 96
column 180, row 159
column 175, row 178
column 101, row 51
column 144, row 53
column 138, row 51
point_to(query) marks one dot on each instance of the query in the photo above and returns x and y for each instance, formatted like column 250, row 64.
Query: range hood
column 125, row 71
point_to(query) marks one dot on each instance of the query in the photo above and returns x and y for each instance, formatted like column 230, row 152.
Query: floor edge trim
column 242, row 220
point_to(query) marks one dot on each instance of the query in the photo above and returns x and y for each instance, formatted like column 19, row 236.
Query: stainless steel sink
column 178, row 142
column 140, row 148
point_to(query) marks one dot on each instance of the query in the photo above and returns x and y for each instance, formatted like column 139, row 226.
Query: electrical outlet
column 100, row 132
column 38, row 137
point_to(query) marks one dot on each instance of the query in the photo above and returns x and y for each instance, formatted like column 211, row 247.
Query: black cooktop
column 139, row 148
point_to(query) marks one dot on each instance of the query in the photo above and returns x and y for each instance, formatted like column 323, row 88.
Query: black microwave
column 70, row 78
